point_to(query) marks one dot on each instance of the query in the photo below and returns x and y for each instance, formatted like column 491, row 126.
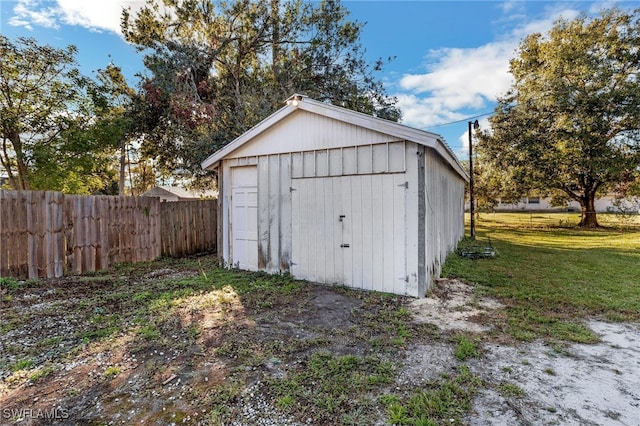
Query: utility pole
column 472, row 200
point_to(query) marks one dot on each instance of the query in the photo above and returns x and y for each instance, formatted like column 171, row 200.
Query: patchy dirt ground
column 580, row 384
column 535, row 383
column 137, row 347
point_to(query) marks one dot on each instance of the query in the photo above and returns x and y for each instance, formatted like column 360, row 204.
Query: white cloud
column 423, row 112
column 104, row 15
column 542, row 26
column 17, row 22
column 94, row 15
column 29, row 12
column 512, row 6
column 464, row 78
column 471, row 79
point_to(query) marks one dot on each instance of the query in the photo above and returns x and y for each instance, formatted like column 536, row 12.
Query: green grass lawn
column 552, row 276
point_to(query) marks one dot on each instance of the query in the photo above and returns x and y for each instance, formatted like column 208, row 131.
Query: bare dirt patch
column 532, row 383
column 152, row 346
column 580, row 384
column 453, row 306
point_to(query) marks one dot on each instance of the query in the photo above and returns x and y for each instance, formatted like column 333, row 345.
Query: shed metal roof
column 299, row 102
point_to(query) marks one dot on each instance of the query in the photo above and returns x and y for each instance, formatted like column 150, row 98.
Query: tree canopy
column 570, row 125
column 218, row 68
column 45, row 118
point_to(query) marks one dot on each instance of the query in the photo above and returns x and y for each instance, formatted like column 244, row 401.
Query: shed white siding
column 274, row 183
column 351, row 230
column 340, row 198
column 308, row 132
column 444, row 213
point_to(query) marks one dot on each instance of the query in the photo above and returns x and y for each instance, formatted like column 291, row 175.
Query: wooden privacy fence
column 188, row 227
column 48, row 234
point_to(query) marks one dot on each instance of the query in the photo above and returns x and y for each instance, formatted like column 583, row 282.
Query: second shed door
column 350, row 230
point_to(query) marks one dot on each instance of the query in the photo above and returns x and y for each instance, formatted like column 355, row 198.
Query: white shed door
column 350, row 230
column 244, row 217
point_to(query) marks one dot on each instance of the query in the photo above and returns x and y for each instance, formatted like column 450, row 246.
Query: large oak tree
column 571, row 122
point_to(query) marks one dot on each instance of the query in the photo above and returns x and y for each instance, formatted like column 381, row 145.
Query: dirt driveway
column 151, row 347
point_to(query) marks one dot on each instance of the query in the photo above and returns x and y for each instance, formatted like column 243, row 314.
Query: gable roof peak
column 295, row 99
column 298, row 102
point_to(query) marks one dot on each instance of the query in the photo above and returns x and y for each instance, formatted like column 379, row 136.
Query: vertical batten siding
column 219, row 225
column 275, row 174
column 275, row 204
column 444, row 190
column 400, row 189
column 431, row 217
column 387, row 157
column 227, row 227
column 414, row 157
column 274, row 212
column 284, row 236
column 367, row 248
column 265, row 207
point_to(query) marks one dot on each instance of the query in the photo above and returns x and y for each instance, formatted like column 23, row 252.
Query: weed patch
column 22, row 364
column 510, row 390
column 465, row 348
column 329, row 387
column 9, row 283
column 444, row 401
column 41, row 373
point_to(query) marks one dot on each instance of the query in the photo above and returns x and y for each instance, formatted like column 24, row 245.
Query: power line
column 459, row 121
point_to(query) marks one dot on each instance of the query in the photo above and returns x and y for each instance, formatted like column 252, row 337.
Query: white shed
column 339, row 197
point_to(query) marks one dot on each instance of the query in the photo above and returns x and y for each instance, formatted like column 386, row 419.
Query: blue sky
column 451, row 57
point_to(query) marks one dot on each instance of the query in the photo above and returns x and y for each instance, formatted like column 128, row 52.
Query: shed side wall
column 444, row 213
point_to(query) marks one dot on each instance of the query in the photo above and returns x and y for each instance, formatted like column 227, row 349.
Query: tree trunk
column 275, row 43
column 589, row 218
column 123, row 150
column 23, row 182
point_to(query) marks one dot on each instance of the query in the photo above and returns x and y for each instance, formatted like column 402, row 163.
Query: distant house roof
column 300, row 102
column 175, row 193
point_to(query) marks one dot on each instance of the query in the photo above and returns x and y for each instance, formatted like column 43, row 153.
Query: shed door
column 350, row 230
column 244, row 217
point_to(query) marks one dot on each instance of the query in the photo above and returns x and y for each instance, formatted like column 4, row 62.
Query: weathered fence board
column 188, row 227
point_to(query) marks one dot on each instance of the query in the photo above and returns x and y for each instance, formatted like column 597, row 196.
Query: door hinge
column 406, row 185
column 341, row 217
column 344, row 245
column 291, row 189
column 405, row 278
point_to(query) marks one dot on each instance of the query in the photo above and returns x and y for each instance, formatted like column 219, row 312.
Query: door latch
column 341, row 217
column 344, row 245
